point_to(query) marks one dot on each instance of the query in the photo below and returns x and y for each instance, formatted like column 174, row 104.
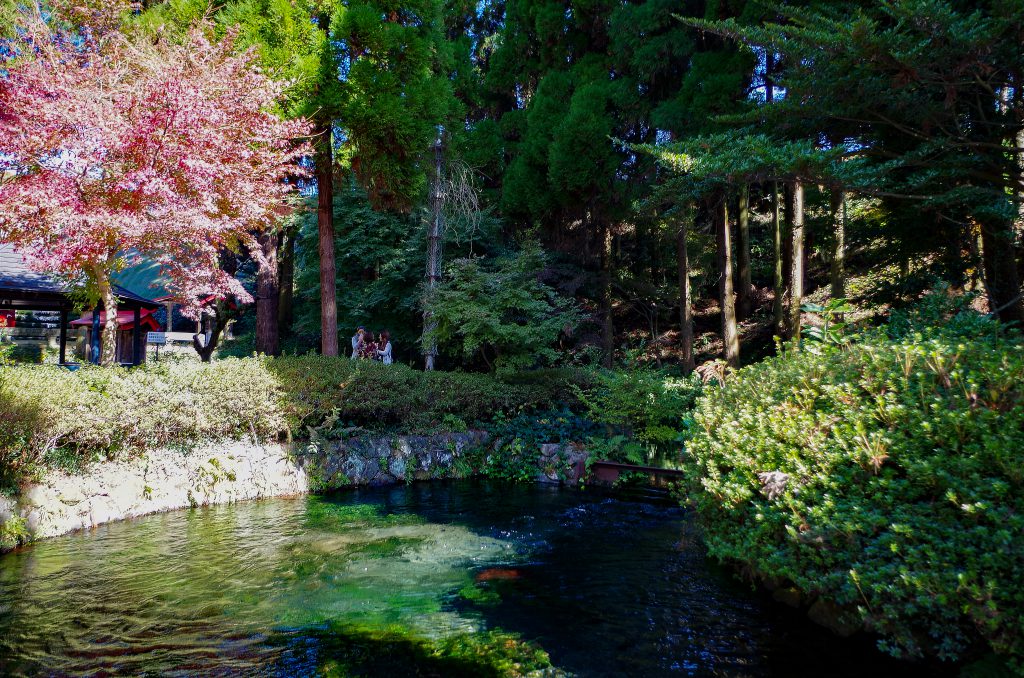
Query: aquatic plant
column 13, row 533
column 346, row 650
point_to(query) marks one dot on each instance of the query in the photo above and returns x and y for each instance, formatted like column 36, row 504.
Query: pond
column 366, row 582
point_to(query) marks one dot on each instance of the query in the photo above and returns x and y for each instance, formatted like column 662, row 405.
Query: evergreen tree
column 932, row 90
column 396, row 93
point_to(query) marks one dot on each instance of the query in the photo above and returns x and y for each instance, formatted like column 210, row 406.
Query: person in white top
column 357, row 340
column 384, row 352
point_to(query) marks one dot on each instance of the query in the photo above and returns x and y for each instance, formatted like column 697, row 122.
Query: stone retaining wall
column 336, row 464
column 166, row 479
column 159, row 480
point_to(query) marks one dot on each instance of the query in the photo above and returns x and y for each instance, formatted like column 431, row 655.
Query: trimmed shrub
column 98, row 412
column 74, row 417
column 887, row 478
column 392, row 397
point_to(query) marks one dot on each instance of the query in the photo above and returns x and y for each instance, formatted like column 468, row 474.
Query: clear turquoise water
column 607, row 586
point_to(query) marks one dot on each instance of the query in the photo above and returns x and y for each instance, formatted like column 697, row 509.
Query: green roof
column 144, row 280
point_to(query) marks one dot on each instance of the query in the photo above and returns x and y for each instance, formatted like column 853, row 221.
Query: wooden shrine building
column 24, row 289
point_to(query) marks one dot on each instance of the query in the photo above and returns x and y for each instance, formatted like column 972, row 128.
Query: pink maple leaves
column 118, row 147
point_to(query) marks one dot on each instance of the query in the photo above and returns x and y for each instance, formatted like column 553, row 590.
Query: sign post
column 158, row 339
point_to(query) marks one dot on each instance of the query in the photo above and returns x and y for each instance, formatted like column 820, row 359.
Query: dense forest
column 665, row 181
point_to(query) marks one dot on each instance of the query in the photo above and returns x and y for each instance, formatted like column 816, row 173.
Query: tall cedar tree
column 933, row 87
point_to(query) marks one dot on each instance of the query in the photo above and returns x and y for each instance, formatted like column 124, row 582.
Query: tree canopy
column 680, row 165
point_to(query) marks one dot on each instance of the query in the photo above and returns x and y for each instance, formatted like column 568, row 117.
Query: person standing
column 384, row 347
column 357, row 341
column 368, row 349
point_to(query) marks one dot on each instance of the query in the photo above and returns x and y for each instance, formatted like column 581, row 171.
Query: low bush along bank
column 60, row 418
column 887, row 477
column 644, row 412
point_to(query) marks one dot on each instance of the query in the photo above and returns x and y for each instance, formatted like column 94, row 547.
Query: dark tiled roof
column 127, row 295
column 17, row 276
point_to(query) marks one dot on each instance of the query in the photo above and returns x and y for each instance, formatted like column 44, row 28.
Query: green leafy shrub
column 833, row 327
column 887, row 478
column 96, row 411
column 23, row 418
column 519, row 437
column 514, row 461
column 942, row 311
column 620, row 448
column 503, row 311
column 647, row 411
column 391, row 397
column 15, row 354
column 13, row 533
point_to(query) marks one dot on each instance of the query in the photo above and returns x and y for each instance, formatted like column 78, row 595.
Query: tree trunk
column 267, row 295
column 685, row 307
column 223, row 315
column 608, row 329
column 642, row 258
column 797, row 262
column 286, row 281
column 975, row 258
column 205, row 351
column 787, row 236
column 108, row 348
column 837, row 273
column 657, row 267
column 730, row 337
column 324, row 149
column 434, row 245
column 778, row 281
column 778, row 276
column 205, row 343
column 999, row 262
column 744, row 301
column 808, row 246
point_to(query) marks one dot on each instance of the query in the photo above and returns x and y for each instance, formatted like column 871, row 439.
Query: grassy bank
column 886, row 477
column 58, row 418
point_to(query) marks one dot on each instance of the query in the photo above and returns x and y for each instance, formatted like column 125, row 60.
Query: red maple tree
column 119, row 147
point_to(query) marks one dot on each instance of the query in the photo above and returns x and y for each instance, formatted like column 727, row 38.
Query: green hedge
column 58, row 416
column 903, row 489
column 392, row 397
column 54, row 416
